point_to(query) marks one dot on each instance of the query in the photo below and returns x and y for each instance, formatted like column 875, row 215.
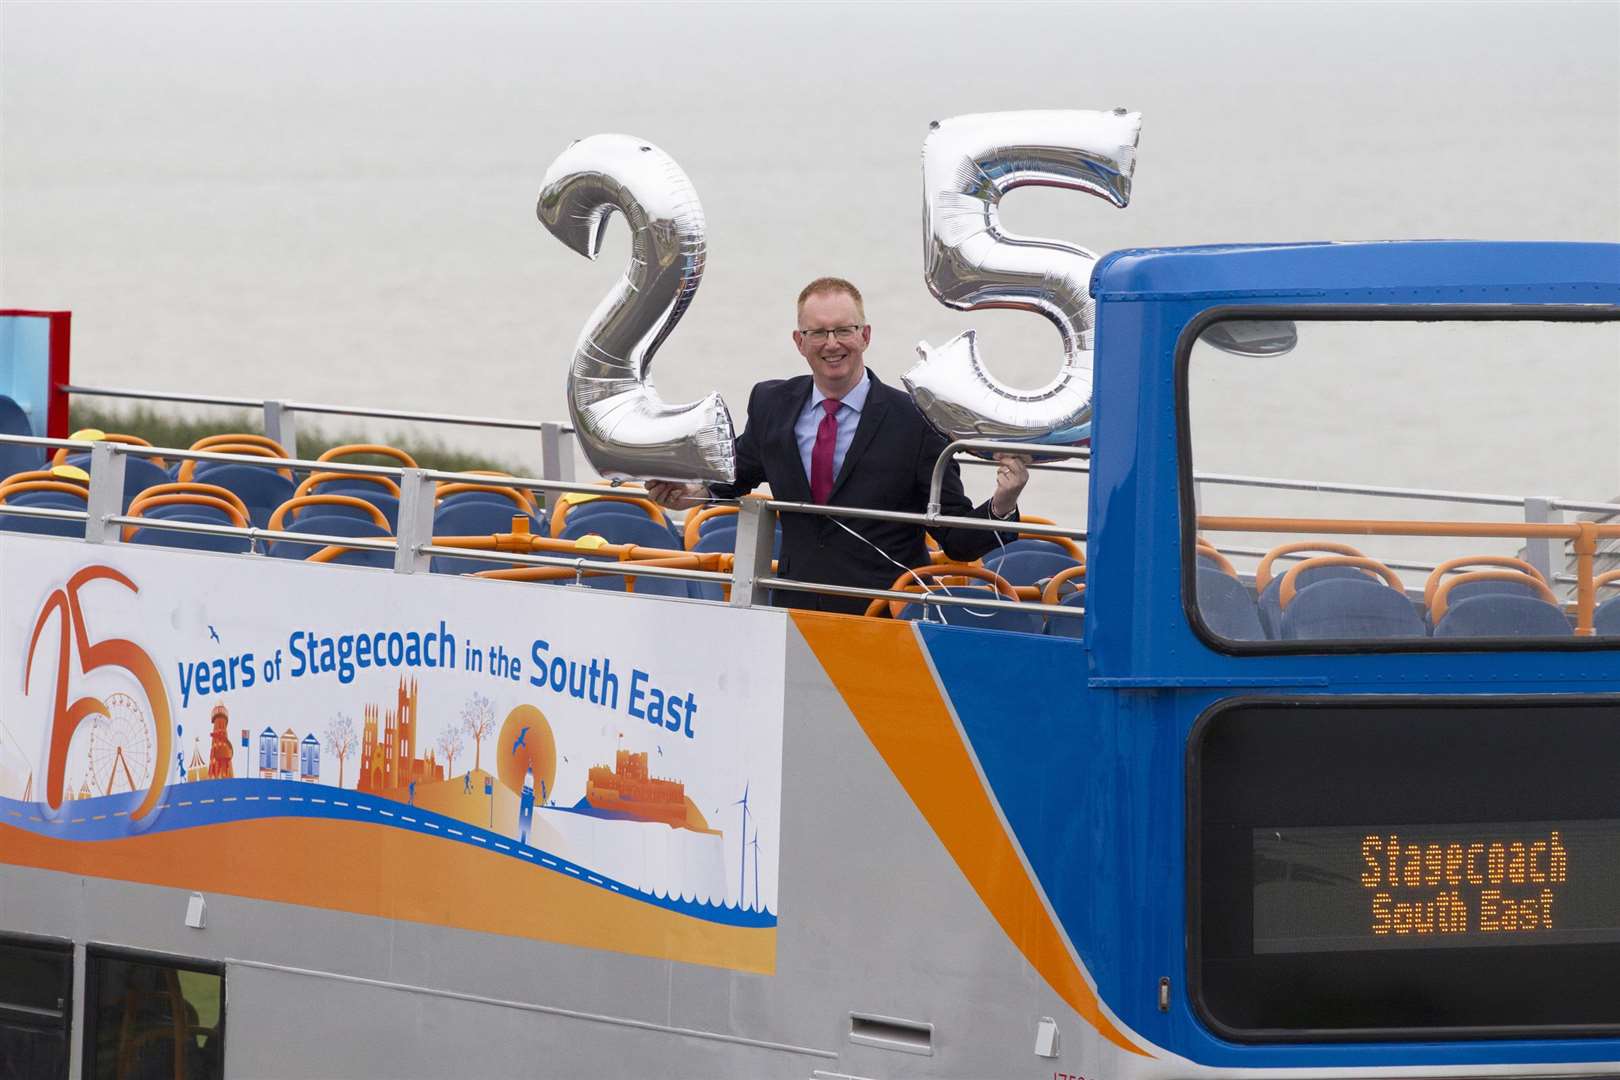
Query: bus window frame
column 65, row 948
column 1187, row 543
column 95, row 951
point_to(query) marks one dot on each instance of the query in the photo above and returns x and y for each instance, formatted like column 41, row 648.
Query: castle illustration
column 629, row 790
column 388, row 758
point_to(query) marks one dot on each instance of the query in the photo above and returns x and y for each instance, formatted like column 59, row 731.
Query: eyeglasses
column 844, row 334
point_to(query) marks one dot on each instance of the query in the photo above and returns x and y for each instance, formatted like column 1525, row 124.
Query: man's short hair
column 823, row 285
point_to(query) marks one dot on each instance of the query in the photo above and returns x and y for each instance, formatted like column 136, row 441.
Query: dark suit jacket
column 888, row 467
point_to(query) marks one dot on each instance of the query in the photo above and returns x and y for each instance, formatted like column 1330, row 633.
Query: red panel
column 56, row 410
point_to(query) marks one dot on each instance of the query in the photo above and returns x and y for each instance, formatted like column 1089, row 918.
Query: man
column 840, row 437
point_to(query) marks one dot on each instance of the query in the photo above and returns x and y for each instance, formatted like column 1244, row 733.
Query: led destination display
column 1436, row 886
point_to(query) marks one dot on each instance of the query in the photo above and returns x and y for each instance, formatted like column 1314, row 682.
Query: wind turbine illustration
column 757, row 905
column 742, row 870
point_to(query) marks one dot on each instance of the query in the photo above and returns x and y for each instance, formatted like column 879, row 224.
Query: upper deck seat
column 538, row 518
column 139, row 473
column 362, row 489
column 1502, row 614
column 318, row 523
column 1064, row 625
column 1357, row 608
column 260, row 487
column 1270, row 606
column 1028, row 567
column 41, row 526
column 1030, row 543
column 1227, row 607
column 723, row 538
column 190, row 541
column 580, row 509
column 622, row 529
column 479, row 519
column 474, row 518
column 979, row 618
column 1606, row 620
column 15, row 458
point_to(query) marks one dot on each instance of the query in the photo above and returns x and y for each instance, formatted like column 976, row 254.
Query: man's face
column 835, row 357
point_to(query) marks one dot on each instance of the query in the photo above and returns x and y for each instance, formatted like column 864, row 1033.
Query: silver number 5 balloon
column 969, row 163
column 624, row 428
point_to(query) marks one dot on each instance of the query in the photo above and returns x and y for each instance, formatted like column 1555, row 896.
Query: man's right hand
column 676, row 496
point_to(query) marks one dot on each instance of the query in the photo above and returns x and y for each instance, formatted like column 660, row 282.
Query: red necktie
column 821, row 455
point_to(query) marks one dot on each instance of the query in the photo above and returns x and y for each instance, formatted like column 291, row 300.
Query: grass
column 180, row 432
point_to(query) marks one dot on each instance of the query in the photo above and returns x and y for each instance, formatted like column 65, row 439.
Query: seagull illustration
column 213, row 633
column 523, row 733
column 660, row 751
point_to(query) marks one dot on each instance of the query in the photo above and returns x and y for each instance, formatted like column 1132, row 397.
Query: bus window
column 153, row 1016
column 1431, row 482
column 36, row 996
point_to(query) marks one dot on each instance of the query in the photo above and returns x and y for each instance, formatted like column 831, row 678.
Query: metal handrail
column 985, row 524
column 311, row 407
column 630, row 569
column 918, row 597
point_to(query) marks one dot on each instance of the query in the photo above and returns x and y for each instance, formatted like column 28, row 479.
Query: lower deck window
column 148, row 1016
column 1401, row 868
column 36, row 996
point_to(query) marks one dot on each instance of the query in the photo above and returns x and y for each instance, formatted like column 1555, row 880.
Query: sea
column 336, row 202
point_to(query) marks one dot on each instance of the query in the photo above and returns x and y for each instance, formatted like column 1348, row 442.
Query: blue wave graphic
column 201, row 803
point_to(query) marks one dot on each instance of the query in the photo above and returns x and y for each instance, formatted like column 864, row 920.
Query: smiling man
column 839, row 436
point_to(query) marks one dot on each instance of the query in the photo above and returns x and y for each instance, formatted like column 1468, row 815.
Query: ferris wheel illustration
column 120, row 747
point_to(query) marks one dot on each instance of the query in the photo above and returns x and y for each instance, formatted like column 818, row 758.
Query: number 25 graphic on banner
column 94, row 656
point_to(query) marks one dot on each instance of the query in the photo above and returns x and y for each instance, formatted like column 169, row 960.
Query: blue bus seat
column 581, row 512
column 979, row 618
column 1606, row 619
column 490, row 498
column 1270, row 605
column 15, row 458
column 333, row 525
column 724, row 539
column 479, row 519
column 1066, row 625
column 261, row 488
column 190, row 541
column 39, row 526
column 360, row 489
column 621, row 529
column 1027, row 567
column 1356, row 608
column 1227, row 607
column 139, row 473
column 1501, row 614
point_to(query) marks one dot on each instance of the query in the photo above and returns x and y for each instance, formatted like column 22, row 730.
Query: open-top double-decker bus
column 1293, row 750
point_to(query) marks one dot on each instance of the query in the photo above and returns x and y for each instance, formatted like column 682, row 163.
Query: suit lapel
column 796, row 487
column 871, row 418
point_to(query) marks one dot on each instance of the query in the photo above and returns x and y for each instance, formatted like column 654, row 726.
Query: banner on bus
column 581, row 767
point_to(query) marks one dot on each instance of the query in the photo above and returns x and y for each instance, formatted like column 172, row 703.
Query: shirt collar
column 855, row 399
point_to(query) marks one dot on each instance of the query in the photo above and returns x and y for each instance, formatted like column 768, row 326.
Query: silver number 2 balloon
column 969, row 163
column 624, row 428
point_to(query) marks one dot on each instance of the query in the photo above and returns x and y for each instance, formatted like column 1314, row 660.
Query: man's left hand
column 1010, row 480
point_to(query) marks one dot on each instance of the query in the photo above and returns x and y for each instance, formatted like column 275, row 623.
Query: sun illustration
column 526, row 743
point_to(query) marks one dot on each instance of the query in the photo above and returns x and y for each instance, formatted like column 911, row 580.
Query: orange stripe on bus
column 880, row 670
